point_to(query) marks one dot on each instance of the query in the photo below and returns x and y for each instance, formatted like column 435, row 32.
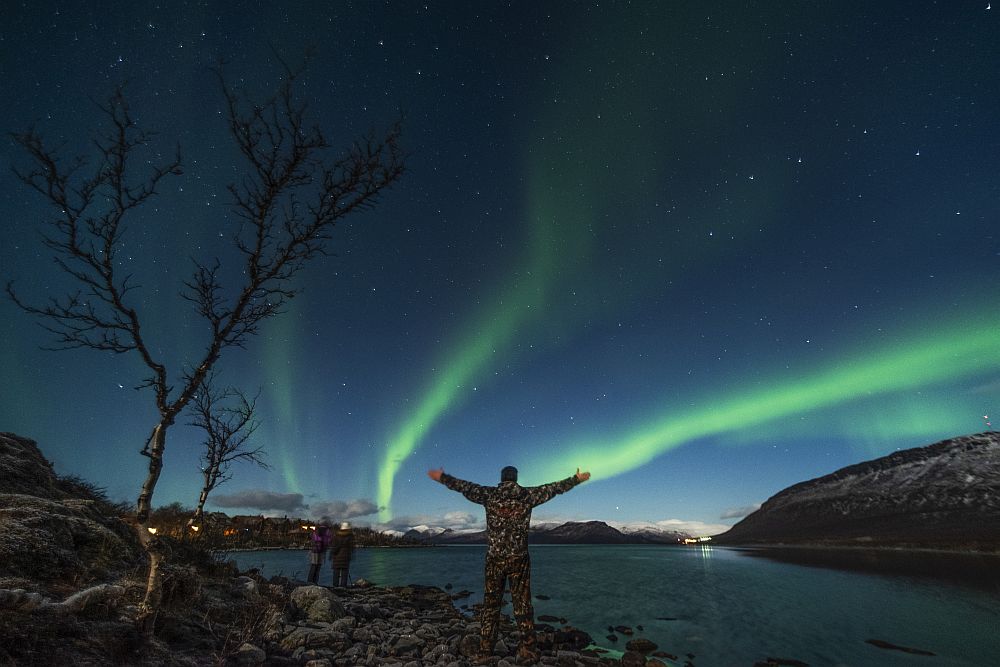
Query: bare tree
column 289, row 196
column 227, row 418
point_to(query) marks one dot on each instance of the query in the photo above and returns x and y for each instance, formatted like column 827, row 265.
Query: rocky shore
column 409, row 626
column 72, row 575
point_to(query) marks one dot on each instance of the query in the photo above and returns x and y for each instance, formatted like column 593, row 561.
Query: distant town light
column 151, row 530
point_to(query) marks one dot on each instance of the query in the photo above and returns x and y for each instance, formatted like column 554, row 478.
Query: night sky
column 705, row 251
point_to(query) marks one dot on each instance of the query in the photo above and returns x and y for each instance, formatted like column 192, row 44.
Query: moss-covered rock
column 52, row 540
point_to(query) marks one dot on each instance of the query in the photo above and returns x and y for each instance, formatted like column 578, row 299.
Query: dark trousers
column 314, row 573
column 499, row 571
column 340, row 576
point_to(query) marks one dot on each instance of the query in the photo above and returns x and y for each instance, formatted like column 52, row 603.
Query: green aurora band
column 947, row 355
column 280, row 362
column 478, row 349
column 582, row 173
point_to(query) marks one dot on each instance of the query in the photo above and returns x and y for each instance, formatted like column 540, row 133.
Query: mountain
column 652, row 535
column 424, row 533
column 573, row 532
column 945, row 495
column 586, row 532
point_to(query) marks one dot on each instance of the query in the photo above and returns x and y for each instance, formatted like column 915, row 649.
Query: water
column 729, row 609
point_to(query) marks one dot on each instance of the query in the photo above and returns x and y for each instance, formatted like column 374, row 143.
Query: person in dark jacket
column 320, row 541
column 341, row 551
column 508, row 515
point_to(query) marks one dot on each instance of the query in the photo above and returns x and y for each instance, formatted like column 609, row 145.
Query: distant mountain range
column 946, row 495
column 585, row 532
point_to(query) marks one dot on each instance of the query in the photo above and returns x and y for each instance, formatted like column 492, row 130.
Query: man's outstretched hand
column 582, row 476
column 436, row 474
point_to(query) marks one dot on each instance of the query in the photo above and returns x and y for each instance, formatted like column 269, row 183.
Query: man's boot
column 527, row 650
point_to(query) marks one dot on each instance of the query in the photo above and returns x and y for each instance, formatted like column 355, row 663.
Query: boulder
column 55, row 530
column 469, row 646
column 317, row 604
column 633, row 659
column 23, row 469
column 248, row 654
column 642, row 645
column 407, row 646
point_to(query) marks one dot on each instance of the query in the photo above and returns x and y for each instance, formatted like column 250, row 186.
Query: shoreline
column 885, row 548
column 973, row 569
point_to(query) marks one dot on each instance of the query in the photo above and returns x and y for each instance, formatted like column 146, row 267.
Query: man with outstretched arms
column 508, row 515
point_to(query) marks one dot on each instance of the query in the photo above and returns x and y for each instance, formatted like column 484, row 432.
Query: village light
column 151, row 530
column 195, row 528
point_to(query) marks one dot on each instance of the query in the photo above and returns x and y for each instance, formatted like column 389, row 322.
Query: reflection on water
column 980, row 571
column 377, row 564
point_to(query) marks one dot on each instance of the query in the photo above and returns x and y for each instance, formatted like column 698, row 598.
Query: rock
column 546, row 618
column 571, row 639
column 319, row 662
column 663, row 654
column 248, row 654
column 633, row 659
column 246, row 586
column 362, row 583
column 566, row 658
column 469, row 646
column 345, row 624
column 407, row 645
column 307, row 638
column 317, row 603
column 23, row 469
column 623, row 629
column 54, row 531
column 642, row 645
column 542, row 597
column 612, row 638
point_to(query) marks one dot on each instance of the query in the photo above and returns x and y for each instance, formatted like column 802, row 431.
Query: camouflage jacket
column 508, row 509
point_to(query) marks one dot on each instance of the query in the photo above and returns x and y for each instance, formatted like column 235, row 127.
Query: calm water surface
column 726, row 608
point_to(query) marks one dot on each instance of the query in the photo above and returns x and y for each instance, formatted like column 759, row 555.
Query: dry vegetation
column 72, row 577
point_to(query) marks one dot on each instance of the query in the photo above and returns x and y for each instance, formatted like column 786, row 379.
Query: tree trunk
column 154, row 586
column 205, row 490
column 198, row 518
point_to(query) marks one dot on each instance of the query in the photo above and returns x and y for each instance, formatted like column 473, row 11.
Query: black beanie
column 508, row 474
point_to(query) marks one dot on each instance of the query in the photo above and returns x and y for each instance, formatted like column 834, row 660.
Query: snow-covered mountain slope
column 943, row 495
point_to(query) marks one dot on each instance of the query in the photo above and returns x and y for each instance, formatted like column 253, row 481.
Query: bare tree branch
column 291, row 194
column 227, row 418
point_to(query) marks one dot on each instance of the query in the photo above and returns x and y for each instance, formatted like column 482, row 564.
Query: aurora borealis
column 704, row 252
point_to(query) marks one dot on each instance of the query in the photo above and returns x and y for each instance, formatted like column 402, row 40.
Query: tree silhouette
column 227, row 418
column 291, row 192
